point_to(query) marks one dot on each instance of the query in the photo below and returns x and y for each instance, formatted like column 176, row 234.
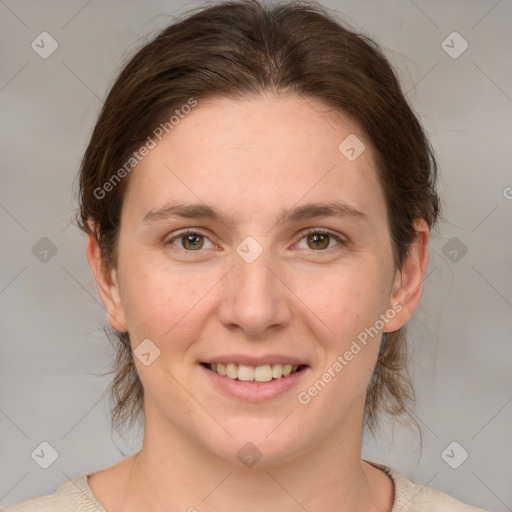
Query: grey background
column 52, row 344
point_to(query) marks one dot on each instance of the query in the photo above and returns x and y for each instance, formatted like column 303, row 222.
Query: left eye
column 319, row 240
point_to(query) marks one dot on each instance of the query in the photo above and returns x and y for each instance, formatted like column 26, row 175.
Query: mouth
column 248, row 373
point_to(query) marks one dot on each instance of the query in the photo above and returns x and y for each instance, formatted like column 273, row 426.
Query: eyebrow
column 337, row 209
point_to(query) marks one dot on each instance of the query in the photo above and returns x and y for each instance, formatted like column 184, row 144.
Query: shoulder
column 412, row 497
column 73, row 496
column 76, row 496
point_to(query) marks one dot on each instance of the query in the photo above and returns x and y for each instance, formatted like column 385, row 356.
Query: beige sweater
column 76, row 496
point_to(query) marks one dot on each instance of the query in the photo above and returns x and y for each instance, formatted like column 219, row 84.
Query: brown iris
column 193, row 238
column 320, row 240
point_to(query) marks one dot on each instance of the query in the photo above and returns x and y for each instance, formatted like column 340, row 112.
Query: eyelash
column 302, row 235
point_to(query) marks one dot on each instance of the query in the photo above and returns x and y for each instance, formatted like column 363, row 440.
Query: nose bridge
column 255, row 298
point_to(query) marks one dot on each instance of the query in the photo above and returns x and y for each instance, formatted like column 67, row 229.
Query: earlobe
column 107, row 283
column 408, row 286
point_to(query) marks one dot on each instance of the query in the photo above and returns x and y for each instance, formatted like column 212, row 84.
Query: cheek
column 343, row 309
column 348, row 349
column 160, row 303
column 333, row 302
column 345, row 300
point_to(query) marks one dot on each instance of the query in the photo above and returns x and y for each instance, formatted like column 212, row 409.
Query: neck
column 172, row 472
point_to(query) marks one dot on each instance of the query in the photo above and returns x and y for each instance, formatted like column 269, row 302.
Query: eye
column 319, row 239
column 190, row 240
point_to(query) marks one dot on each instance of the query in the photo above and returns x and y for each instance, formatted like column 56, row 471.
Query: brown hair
column 235, row 49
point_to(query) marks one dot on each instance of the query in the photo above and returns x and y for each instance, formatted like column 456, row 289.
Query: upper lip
column 256, row 361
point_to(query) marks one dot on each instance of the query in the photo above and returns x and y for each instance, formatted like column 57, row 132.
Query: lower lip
column 255, row 391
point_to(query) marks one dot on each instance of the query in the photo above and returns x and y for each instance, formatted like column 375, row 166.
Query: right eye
column 190, row 240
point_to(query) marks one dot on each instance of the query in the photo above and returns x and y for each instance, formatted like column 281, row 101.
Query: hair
column 237, row 49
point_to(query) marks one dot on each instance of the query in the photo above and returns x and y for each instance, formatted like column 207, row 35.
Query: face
column 247, row 237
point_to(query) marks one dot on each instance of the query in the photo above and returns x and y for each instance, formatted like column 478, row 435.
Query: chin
column 258, row 442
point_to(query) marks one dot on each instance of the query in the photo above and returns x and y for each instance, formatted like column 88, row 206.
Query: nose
column 255, row 299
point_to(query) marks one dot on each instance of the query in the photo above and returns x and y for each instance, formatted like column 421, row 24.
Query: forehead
column 259, row 151
column 298, row 126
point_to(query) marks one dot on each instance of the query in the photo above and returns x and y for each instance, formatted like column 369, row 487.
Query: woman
column 258, row 199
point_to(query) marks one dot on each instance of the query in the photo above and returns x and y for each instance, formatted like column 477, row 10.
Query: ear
column 408, row 283
column 106, row 280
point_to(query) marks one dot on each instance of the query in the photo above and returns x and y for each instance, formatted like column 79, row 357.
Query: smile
column 257, row 383
column 248, row 373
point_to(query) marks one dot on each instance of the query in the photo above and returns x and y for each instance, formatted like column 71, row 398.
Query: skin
column 251, row 159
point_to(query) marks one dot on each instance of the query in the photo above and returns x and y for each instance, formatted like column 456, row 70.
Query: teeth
column 245, row 372
column 263, row 373
column 231, row 371
column 277, row 371
column 287, row 369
